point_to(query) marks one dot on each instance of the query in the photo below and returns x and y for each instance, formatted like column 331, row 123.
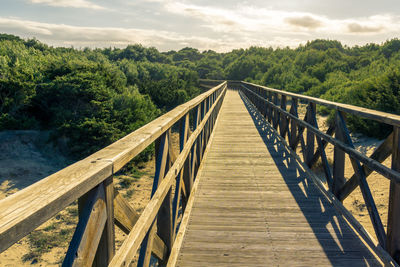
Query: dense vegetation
column 93, row 97
column 89, row 98
column 367, row 76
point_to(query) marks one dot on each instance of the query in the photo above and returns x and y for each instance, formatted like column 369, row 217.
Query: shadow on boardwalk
column 342, row 246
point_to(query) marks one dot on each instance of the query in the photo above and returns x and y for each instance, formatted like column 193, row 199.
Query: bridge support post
column 393, row 224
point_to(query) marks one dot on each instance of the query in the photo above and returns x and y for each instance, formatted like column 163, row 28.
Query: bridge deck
column 255, row 207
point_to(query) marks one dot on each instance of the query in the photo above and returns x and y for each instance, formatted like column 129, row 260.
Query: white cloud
column 247, row 20
column 66, row 35
column 68, row 3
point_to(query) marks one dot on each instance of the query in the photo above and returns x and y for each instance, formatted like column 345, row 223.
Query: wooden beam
column 330, row 131
column 283, row 119
column 106, row 249
column 310, row 135
column 125, row 218
column 380, row 154
column 83, row 246
column 393, row 225
column 162, row 163
column 184, row 176
column 293, row 124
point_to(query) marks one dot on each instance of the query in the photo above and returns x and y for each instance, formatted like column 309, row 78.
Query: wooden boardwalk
column 254, row 206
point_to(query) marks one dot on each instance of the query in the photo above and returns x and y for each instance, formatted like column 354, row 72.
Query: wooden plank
column 338, row 163
column 25, row 210
column 380, row 154
column 125, row 218
column 249, row 214
column 393, row 228
column 310, row 135
column 330, row 131
column 106, row 248
column 162, row 148
column 283, row 120
column 83, row 246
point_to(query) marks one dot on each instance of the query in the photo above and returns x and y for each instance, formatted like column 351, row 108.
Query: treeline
column 92, row 97
column 366, row 76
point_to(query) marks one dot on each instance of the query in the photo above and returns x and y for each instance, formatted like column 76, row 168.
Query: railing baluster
column 92, row 220
column 393, row 225
column 338, row 161
column 184, row 174
column 162, row 165
column 293, row 124
column 283, row 119
column 269, row 112
column 275, row 113
column 310, row 135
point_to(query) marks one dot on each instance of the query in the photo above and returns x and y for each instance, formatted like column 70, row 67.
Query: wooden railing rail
column 272, row 104
column 90, row 181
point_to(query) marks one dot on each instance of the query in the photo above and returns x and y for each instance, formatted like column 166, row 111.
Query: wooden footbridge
column 240, row 191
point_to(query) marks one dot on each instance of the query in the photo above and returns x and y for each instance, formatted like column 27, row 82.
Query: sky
column 220, row 25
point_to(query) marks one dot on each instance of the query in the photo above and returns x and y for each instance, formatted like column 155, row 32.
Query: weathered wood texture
column 25, row 210
column 254, row 206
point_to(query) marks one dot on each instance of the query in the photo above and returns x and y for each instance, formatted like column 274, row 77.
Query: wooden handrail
column 25, row 210
column 134, row 239
column 293, row 128
column 379, row 116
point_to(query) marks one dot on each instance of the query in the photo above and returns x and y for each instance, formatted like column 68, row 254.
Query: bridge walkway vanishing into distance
column 237, row 191
column 254, row 206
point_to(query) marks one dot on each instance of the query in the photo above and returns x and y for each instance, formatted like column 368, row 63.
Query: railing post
column 184, row 177
column 283, row 120
column 162, row 165
column 393, row 224
column 275, row 117
column 293, row 124
column 270, row 109
column 194, row 162
column 310, row 135
column 338, row 161
column 106, row 249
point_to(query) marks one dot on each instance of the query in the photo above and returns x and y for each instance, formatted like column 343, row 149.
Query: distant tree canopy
column 95, row 96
